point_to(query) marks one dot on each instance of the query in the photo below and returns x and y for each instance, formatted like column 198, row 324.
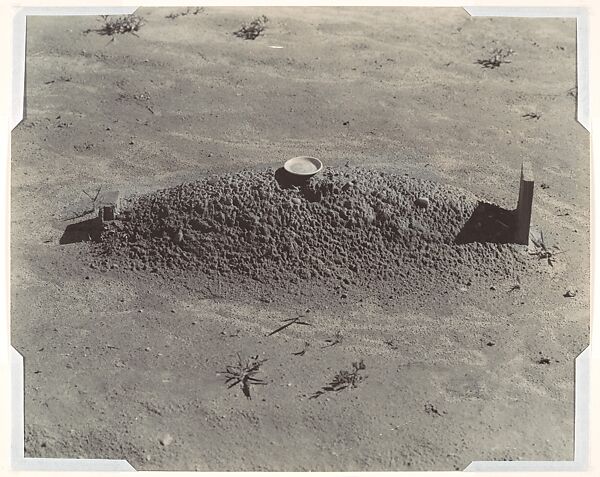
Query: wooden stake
column 524, row 205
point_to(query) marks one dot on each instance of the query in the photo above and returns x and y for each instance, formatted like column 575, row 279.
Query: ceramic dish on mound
column 303, row 166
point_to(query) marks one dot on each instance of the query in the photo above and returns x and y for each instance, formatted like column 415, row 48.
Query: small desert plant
column 334, row 340
column 118, row 26
column 251, row 31
column 497, row 57
column 344, row 379
column 188, row 11
column 243, row 373
column 542, row 251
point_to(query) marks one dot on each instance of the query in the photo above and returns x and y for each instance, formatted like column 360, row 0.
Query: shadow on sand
column 88, row 230
column 287, row 180
column 489, row 223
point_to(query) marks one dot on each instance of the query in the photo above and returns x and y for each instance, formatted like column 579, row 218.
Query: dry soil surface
column 121, row 362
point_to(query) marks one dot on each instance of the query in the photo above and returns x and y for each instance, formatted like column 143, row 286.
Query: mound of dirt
column 351, row 224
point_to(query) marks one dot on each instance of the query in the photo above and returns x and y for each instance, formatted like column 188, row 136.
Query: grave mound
column 347, row 224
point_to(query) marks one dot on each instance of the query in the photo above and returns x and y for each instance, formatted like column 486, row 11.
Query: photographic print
column 300, row 238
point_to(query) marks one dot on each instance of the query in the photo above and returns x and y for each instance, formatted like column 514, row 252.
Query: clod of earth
column 432, row 410
column 250, row 224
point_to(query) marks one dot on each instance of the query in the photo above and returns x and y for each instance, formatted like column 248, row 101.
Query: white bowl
column 303, row 166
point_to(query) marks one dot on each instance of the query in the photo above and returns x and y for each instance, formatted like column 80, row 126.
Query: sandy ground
column 122, row 365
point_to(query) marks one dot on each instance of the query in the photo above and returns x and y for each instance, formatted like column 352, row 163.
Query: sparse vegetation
column 343, row 379
column 334, row 340
column 118, row 26
column 497, row 57
column 188, row 11
column 243, row 373
column 542, row 251
column 251, row 31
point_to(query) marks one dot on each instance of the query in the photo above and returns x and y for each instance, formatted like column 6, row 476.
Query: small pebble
column 570, row 294
column 296, row 200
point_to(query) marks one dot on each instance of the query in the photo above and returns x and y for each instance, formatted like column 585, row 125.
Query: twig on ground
column 290, row 322
column 89, row 210
column 302, row 351
column 542, row 251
